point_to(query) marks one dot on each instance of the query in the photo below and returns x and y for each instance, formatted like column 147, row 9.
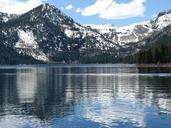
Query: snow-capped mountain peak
column 135, row 32
column 47, row 34
column 163, row 19
column 47, row 6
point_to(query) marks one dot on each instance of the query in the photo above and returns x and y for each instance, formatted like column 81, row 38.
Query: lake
column 85, row 96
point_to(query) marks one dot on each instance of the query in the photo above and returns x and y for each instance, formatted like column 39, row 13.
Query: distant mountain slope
column 158, row 50
column 135, row 32
column 46, row 34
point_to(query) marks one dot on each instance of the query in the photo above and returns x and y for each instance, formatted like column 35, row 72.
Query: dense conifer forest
column 158, row 53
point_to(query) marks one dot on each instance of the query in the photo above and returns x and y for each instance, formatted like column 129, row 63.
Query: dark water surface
column 85, row 96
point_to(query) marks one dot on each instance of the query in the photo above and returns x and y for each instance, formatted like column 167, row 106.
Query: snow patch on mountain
column 69, row 33
column 4, row 17
column 45, row 33
column 104, row 28
column 26, row 40
column 135, row 32
column 27, row 45
column 163, row 21
column 39, row 55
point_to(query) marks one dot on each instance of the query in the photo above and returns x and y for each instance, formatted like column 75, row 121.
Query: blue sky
column 152, row 7
column 116, row 12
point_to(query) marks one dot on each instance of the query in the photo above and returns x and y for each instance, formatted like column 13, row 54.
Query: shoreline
column 101, row 65
column 153, row 65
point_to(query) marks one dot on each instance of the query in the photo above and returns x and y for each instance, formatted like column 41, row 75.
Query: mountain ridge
column 46, row 34
column 161, row 21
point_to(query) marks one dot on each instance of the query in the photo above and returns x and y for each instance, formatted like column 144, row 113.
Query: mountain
column 134, row 32
column 4, row 17
column 158, row 53
column 47, row 35
column 136, row 37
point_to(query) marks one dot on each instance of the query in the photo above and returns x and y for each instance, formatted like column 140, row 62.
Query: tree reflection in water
column 84, row 97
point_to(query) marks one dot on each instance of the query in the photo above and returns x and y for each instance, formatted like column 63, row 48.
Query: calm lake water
column 85, row 96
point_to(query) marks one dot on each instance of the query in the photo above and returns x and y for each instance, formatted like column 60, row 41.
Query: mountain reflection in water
column 85, row 96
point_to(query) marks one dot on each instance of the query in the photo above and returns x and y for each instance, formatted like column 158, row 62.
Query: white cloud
column 69, row 7
column 78, row 10
column 96, row 8
column 18, row 6
column 109, row 9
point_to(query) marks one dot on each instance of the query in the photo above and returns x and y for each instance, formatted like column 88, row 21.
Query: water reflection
column 74, row 97
column 26, row 81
